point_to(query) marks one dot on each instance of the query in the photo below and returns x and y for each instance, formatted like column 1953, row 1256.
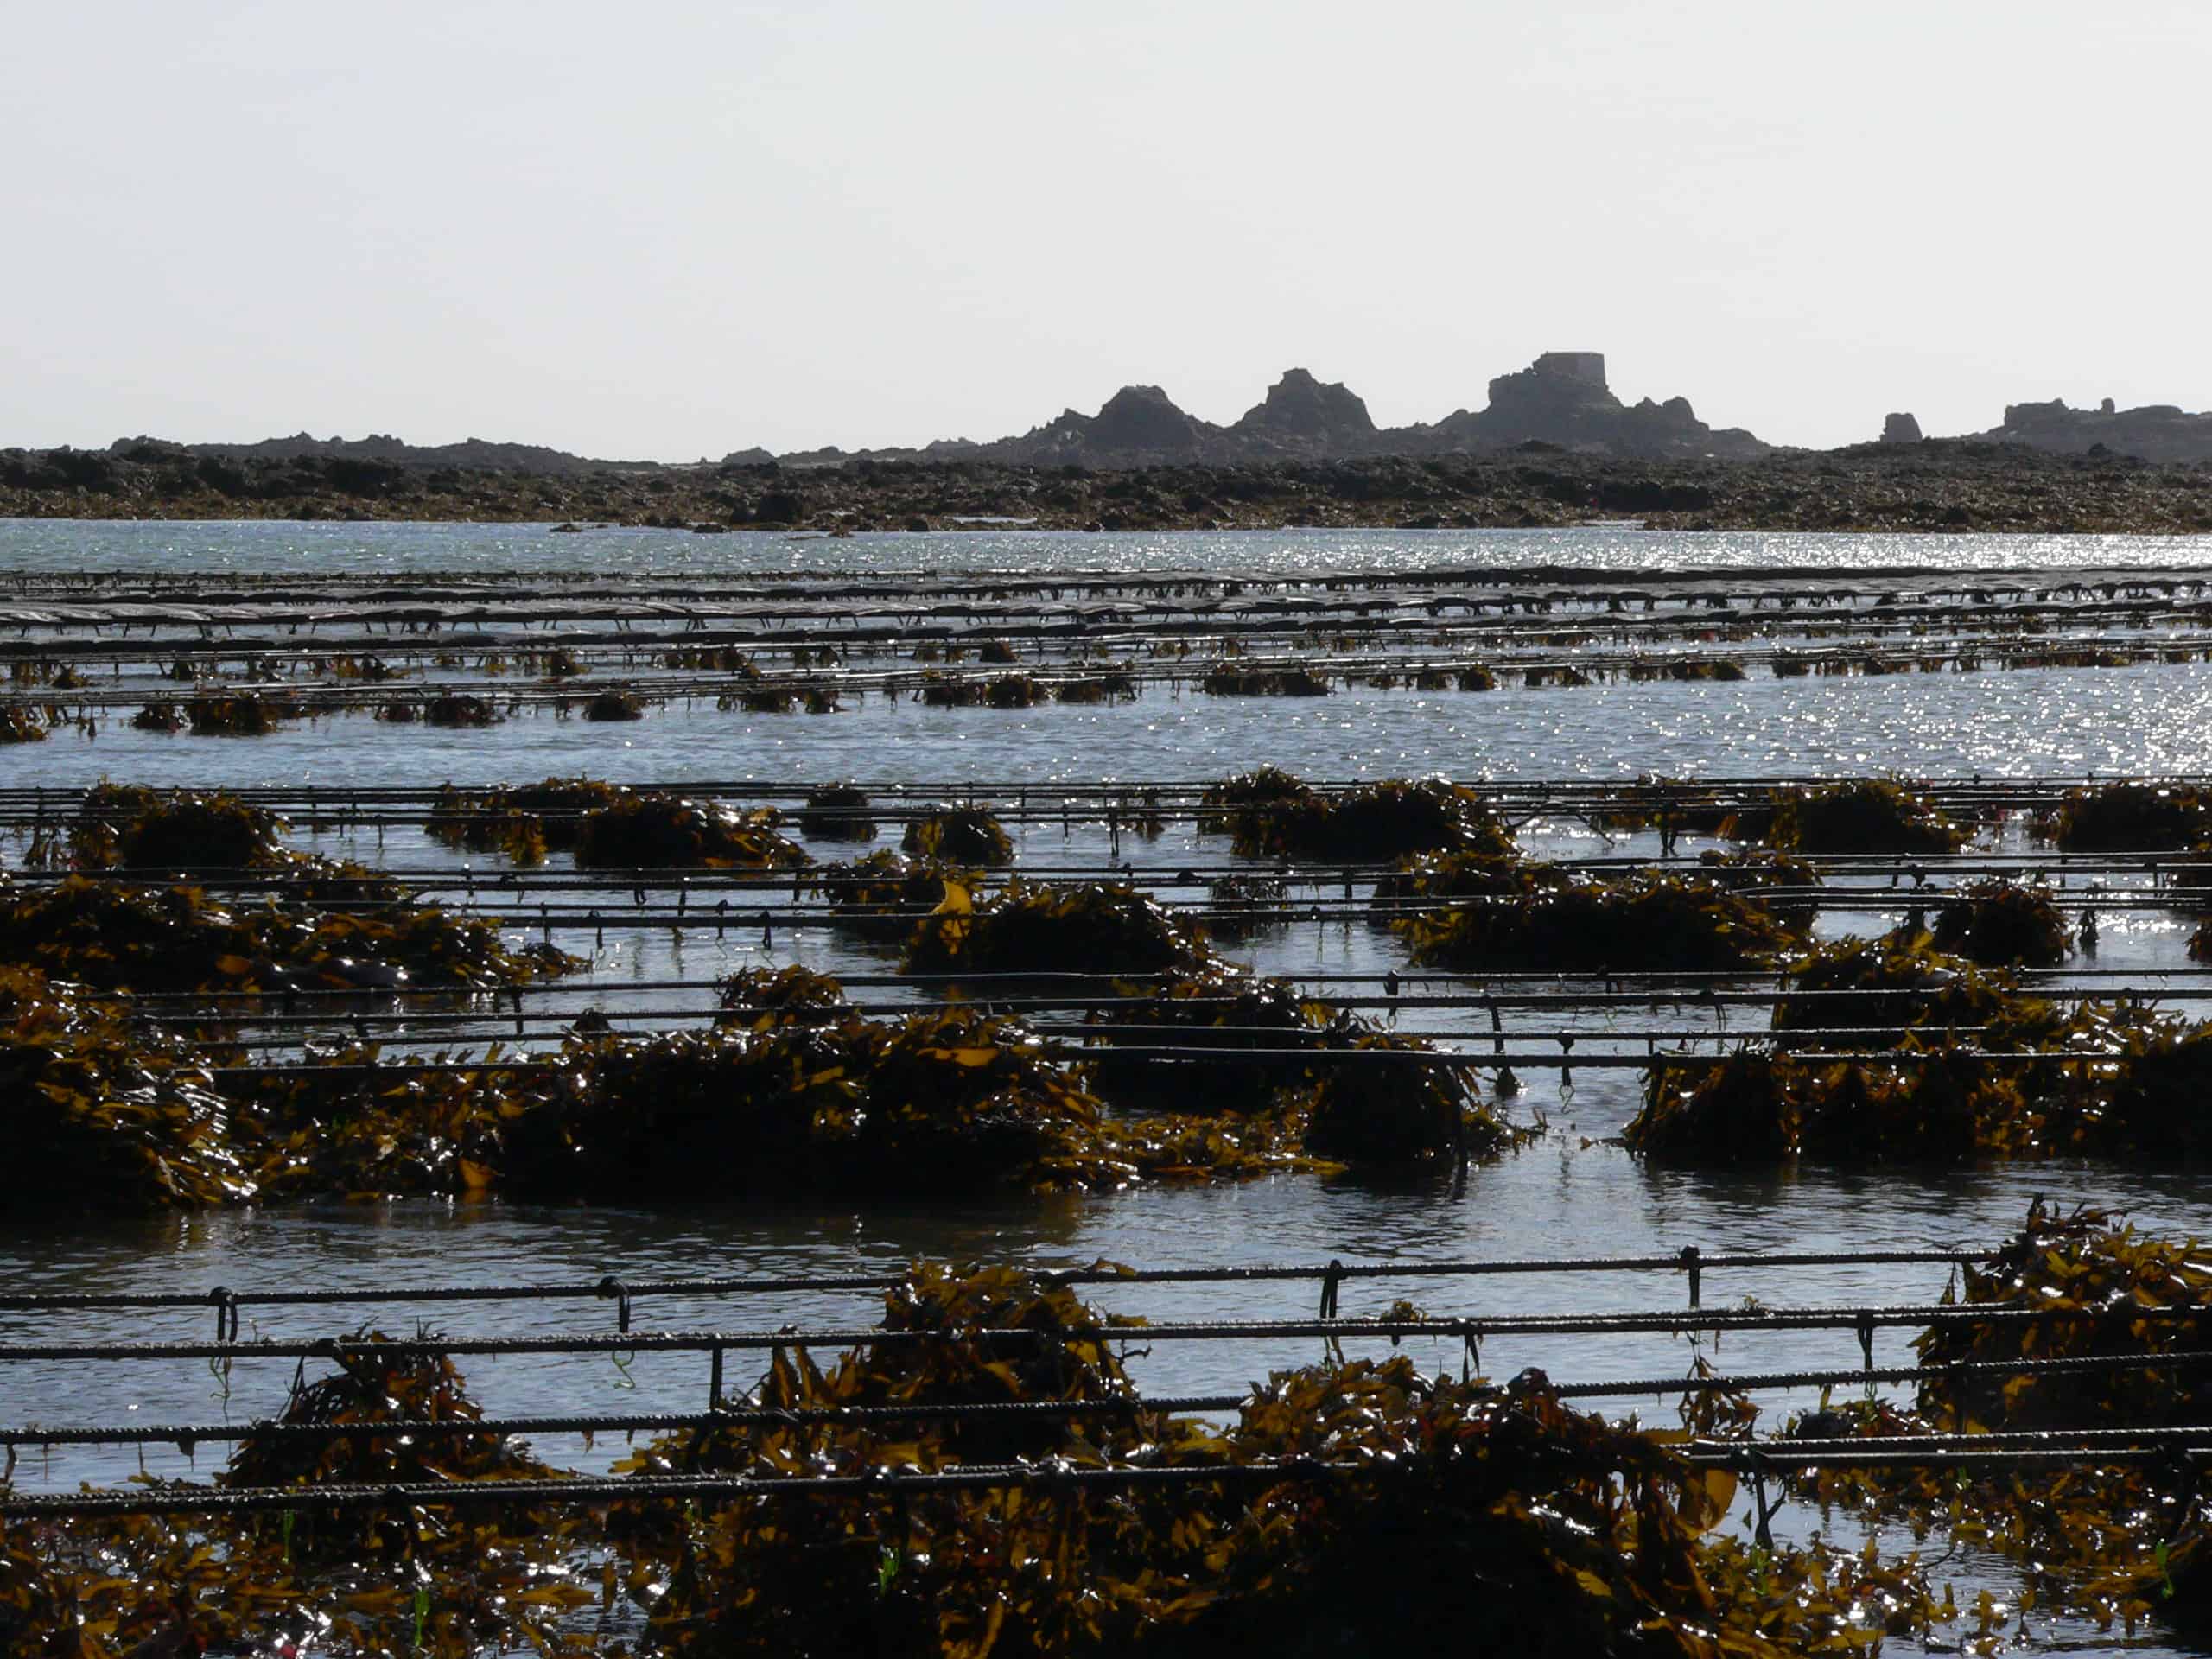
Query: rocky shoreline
column 1937, row 485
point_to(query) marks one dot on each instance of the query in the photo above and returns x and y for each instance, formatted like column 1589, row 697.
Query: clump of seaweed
column 1225, row 1010
column 2003, row 924
column 459, row 709
column 1552, row 1532
column 2103, row 1286
column 2127, row 817
column 522, row 821
column 1115, row 686
column 119, row 935
column 616, row 703
column 145, row 832
column 1223, row 680
column 249, row 715
column 837, row 812
column 20, row 725
column 1899, row 983
column 1049, row 928
column 940, row 690
column 719, row 659
column 158, row 717
column 132, row 827
column 1269, row 813
column 1545, row 919
column 370, row 1387
column 1369, row 1109
column 1262, row 1051
column 762, row 998
column 638, row 831
column 968, row 835
column 1874, row 814
column 1758, row 1107
column 883, row 894
column 761, row 700
column 950, row 1101
column 110, row 1116
column 1762, row 870
column 1443, row 877
column 2118, row 1081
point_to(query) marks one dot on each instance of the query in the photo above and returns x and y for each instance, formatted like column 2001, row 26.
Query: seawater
column 1574, row 1194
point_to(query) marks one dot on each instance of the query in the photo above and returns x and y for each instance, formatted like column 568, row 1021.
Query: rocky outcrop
column 1138, row 426
column 1562, row 399
column 1143, row 420
column 1900, row 428
column 1303, row 415
column 476, row 454
column 2157, row 432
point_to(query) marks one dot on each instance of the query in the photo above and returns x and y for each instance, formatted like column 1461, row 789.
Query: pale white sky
column 670, row 228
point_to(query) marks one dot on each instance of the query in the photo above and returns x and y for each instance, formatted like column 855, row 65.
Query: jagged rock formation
column 1900, row 428
column 1562, row 399
column 2160, row 432
column 1306, row 417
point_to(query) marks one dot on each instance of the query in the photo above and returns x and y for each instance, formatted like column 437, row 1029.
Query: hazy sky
column 669, row 229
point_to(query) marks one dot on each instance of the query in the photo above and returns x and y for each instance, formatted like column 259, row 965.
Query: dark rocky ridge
column 480, row 454
column 1939, row 485
column 1562, row 398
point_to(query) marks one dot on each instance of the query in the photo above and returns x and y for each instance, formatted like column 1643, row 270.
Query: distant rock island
column 1560, row 399
column 475, row 455
column 1553, row 445
column 2155, row 432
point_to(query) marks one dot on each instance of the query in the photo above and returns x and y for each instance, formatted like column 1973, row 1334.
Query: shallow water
column 1571, row 1195
column 2156, row 717
column 251, row 545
